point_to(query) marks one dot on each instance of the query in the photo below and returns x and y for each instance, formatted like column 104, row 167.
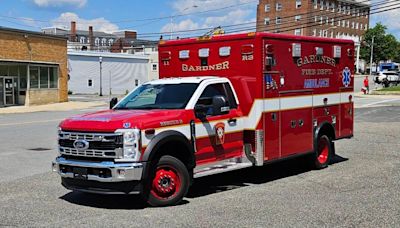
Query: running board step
column 220, row 168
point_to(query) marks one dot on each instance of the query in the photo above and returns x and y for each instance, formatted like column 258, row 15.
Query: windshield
column 161, row 96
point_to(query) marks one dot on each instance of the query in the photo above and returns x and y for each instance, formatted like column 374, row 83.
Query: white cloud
column 181, row 26
column 211, row 13
column 99, row 24
column 60, row 3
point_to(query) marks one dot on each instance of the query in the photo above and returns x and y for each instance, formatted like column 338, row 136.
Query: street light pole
column 372, row 54
column 101, row 78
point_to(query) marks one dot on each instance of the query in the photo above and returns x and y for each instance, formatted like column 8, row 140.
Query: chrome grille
column 101, row 145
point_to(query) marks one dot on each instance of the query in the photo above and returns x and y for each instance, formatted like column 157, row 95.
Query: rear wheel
column 323, row 152
column 170, row 182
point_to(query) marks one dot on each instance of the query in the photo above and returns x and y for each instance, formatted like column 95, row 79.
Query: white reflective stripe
column 259, row 107
column 344, row 97
column 296, row 102
column 318, row 100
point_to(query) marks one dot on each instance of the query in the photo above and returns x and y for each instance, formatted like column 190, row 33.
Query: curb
column 66, row 106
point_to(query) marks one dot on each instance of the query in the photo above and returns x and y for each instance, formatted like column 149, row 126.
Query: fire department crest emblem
column 346, row 77
column 220, row 133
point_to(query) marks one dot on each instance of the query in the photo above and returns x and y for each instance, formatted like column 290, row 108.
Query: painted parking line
column 31, row 122
column 379, row 102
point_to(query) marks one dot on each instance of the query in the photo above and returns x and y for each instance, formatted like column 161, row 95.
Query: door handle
column 232, row 121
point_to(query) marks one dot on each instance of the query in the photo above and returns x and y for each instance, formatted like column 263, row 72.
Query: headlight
column 131, row 143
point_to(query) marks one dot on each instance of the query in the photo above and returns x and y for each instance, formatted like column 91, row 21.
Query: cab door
column 219, row 136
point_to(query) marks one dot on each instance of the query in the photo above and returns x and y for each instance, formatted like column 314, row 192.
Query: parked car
column 387, row 78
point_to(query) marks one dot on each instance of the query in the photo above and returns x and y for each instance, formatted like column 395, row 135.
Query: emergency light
column 247, row 49
column 165, row 56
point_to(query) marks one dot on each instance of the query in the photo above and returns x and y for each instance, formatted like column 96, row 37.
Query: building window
column 327, row 20
column 314, row 32
column 322, row 5
column 339, row 8
column 361, row 26
column 298, row 4
column 348, row 24
column 44, row 77
column 82, row 40
column 327, row 5
column 352, row 25
column 154, row 67
column 34, row 77
column 321, row 20
column 343, row 23
column 315, row 19
column 333, row 21
column 297, row 32
column 338, row 22
column 266, row 21
column 315, row 3
column 110, row 42
column 90, row 83
column 278, row 20
column 53, row 77
column 103, row 42
column 333, row 7
column 320, row 33
column 97, row 41
column 297, row 17
column 365, row 27
column 267, row 7
column 278, row 6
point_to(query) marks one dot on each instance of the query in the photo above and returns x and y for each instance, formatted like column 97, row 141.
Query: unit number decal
column 220, row 133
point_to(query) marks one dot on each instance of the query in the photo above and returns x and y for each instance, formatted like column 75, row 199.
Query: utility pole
column 101, row 78
column 372, row 54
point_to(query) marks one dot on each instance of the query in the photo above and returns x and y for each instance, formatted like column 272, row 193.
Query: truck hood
column 111, row 120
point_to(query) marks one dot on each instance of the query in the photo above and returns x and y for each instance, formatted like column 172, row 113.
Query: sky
column 149, row 18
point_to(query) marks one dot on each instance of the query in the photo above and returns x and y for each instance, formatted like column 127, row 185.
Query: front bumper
column 105, row 171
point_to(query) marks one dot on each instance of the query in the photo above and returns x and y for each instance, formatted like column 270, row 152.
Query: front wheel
column 170, row 182
column 323, row 152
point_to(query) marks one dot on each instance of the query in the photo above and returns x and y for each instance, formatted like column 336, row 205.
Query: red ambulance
column 222, row 103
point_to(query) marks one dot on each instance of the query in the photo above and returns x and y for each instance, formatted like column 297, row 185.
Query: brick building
column 33, row 68
column 323, row 18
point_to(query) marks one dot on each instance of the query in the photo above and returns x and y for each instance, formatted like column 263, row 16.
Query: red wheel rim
column 323, row 150
column 166, row 183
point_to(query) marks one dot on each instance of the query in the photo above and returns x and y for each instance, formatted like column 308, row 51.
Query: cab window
column 219, row 89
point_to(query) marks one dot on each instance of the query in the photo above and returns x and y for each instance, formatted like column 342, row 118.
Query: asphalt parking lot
column 361, row 188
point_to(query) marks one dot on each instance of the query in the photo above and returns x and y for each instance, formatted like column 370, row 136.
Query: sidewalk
column 66, row 106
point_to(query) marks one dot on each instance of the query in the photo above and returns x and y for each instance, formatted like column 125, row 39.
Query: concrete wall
column 27, row 47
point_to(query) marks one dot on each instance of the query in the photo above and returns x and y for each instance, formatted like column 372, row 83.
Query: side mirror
column 113, row 102
column 200, row 111
column 219, row 104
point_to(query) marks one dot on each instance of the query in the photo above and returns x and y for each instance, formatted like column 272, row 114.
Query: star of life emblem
column 220, row 133
column 346, row 79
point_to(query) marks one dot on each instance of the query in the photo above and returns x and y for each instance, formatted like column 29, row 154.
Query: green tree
column 386, row 46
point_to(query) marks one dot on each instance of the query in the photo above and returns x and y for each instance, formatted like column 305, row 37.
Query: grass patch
column 391, row 89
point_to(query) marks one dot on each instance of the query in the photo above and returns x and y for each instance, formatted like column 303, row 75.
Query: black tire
column 323, row 152
column 168, row 184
